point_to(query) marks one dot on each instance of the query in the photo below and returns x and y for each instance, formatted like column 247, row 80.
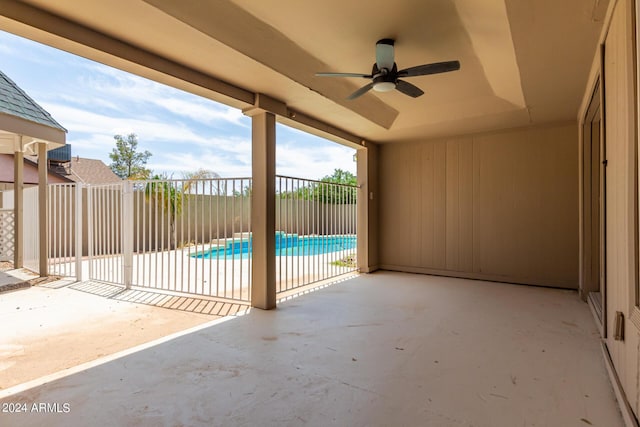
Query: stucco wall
column 498, row 206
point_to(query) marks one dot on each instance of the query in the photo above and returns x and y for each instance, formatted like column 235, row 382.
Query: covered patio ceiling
column 522, row 62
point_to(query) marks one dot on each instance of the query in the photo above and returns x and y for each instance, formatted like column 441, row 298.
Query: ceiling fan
column 386, row 77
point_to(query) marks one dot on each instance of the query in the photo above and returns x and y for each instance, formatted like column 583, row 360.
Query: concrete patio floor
column 385, row 349
column 59, row 325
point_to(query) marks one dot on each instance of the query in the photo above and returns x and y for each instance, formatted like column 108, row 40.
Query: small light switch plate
column 619, row 326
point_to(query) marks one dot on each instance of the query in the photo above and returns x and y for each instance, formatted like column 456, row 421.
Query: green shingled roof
column 15, row 102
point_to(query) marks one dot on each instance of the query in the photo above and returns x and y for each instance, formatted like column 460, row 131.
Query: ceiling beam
column 233, row 26
column 75, row 32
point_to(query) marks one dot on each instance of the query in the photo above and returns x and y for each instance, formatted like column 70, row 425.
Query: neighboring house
column 82, row 170
column 89, row 171
column 30, row 173
column 79, row 169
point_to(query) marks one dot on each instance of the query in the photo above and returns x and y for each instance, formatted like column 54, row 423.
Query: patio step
column 14, row 279
column 14, row 286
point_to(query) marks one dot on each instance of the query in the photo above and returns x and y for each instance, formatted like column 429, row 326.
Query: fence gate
column 65, row 230
column 106, row 232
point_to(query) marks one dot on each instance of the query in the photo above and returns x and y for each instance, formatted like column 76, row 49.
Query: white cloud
column 5, row 49
column 99, row 144
column 79, row 120
column 177, row 163
column 204, row 112
column 22, row 49
column 86, row 100
column 120, row 85
column 313, row 163
column 233, row 144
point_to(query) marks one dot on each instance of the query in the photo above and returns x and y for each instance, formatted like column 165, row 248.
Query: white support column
column 127, row 232
column 367, row 218
column 18, row 209
column 78, row 231
column 43, row 210
column 263, row 209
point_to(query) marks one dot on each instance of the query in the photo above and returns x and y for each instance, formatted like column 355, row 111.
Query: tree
column 168, row 198
column 243, row 192
column 341, row 177
column 128, row 162
column 343, row 194
column 170, row 195
column 196, row 180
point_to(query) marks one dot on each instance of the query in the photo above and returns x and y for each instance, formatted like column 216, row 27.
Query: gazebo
column 26, row 128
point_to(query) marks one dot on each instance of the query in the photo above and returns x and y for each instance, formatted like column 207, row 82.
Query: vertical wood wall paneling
column 615, row 123
column 465, row 193
column 497, row 206
column 423, row 213
column 621, row 227
column 453, row 209
column 395, row 194
column 439, row 207
column 459, row 201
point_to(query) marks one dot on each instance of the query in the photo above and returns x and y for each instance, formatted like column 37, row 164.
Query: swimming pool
column 286, row 245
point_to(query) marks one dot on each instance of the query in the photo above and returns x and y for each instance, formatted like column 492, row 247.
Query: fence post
column 90, row 230
column 18, row 210
column 78, row 228
column 127, row 232
column 43, row 211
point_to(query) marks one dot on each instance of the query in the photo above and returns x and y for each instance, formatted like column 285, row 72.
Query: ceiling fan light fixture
column 386, row 77
column 384, row 86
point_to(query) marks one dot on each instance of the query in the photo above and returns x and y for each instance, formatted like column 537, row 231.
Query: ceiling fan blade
column 364, row 89
column 366, row 76
column 385, row 54
column 426, row 69
column 408, row 89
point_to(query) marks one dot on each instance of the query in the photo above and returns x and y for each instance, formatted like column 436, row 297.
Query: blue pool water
column 286, row 245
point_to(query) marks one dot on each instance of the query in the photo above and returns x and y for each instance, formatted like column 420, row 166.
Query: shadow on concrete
column 188, row 303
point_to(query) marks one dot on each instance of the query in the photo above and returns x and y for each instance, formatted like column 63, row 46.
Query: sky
column 184, row 132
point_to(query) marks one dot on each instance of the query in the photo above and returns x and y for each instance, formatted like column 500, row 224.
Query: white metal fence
column 194, row 236
column 316, row 237
column 105, row 219
column 65, row 230
column 31, row 230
